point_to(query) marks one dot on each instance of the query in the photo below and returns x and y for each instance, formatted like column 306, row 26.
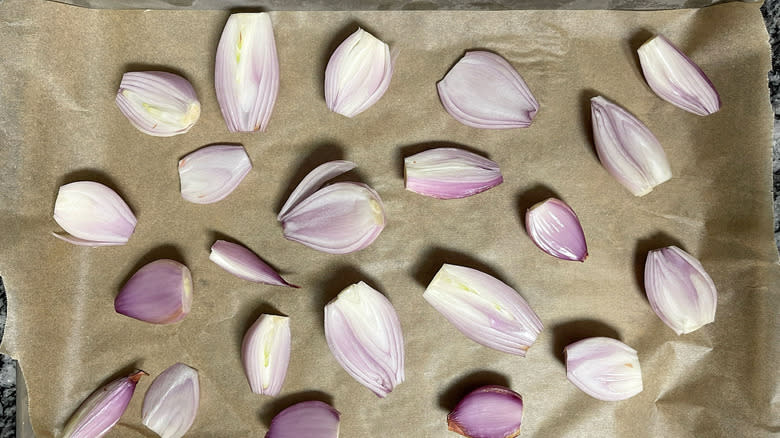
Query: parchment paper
column 379, row 5
column 61, row 67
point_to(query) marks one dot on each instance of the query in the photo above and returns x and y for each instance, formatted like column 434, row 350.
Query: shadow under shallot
column 165, row 251
column 642, row 248
column 96, row 175
column 222, row 143
column 462, row 386
column 409, row 150
column 570, row 332
column 247, row 10
column 634, row 43
column 278, row 404
column 249, row 315
column 321, row 153
column 532, row 196
column 215, row 235
column 433, row 258
column 341, row 276
column 586, row 120
column 338, row 37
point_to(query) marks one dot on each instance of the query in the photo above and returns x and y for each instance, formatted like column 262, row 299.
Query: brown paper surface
column 61, row 67
column 379, row 5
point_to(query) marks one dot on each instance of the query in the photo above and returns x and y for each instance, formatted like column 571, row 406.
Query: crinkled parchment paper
column 61, row 65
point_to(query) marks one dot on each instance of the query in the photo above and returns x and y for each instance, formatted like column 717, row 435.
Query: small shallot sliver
column 627, row 149
column 676, row 79
column 364, row 334
column 484, row 309
column 556, row 230
column 358, row 74
column 491, row 411
column 243, row 263
column 450, row 173
column 159, row 293
column 483, row 90
column 171, row 402
column 604, row 368
column 102, row 410
column 246, row 74
column 158, row 103
column 265, row 353
column 341, row 218
column 211, row 173
column 92, row 215
column 680, row 291
column 308, row 419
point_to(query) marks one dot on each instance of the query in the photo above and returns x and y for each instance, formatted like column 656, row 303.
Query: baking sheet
column 58, row 123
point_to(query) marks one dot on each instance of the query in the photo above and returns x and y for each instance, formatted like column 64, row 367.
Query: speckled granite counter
column 771, row 11
column 7, row 381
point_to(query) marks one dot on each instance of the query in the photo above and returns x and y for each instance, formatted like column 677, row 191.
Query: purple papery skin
column 604, row 368
column 245, row 264
column 309, row 419
column 338, row 219
column 211, row 173
column 484, row 309
column 358, row 74
column 364, row 334
column 555, row 229
column 627, row 148
column 483, row 90
column 450, row 173
column 102, row 409
column 488, row 412
column 93, row 214
column 676, row 79
column 313, row 181
column 680, row 291
column 160, row 293
column 246, row 74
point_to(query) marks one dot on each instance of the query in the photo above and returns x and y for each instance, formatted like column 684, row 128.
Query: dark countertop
column 771, row 11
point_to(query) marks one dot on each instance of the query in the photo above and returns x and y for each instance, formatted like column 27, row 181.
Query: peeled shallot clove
column 102, row 410
column 246, row 75
column 627, row 149
column 171, row 402
column 158, row 103
column 483, row 90
column 604, row 368
column 484, row 308
column 556, row 230
column 491, row 411
column 676, row 79
column 680, row 291
column 340, row 218
column 211, row 173
column 243, row 263
column 308, row 419
column 449, row 173
column 160, row 293
column 358, row 74
column 364, row 334
column 265, row 353
column 93, row 214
